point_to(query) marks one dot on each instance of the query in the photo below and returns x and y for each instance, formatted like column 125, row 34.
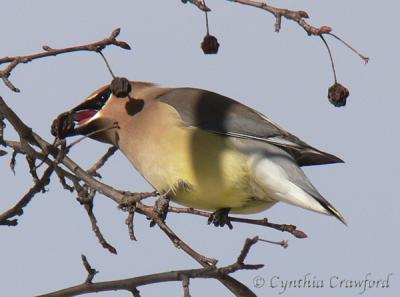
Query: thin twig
column 296, row 16
column 91, row 271
column 46, row 153
column 24, row 132
column 135, row 292
column 282, row 243
column 17, row 209
column 32, row 168
column 200, row 4
column 207, row 25
column 246, row 249
column 129, row 223
column 27, row 150
column 96, row 166
column 86, row 198
column 48, row 51
column 114, row 126
column 260, row 222
column 13, row 161
column 61, row 177
column 2, row 127
column 364, row 58
column 131, row 284
column 185, row 285
column 128, row 204
column 107, row 64
column 331, row 58
column 149, row 212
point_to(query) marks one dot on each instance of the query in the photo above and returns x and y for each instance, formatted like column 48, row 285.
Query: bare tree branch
column 2, row 127
column 32, row 168
column 48, row 51
column 85, row 197
column 13, row 161
column 261, row 222
column 236, row 287
column 96, row 166
column 297, row 16
column 199, row 3
column 185, row 285
column 91, row 271
column 131, row 284
column 28, row 150
column 135, row 292
column 17, row 209
column 202, row 260
column 24, row 132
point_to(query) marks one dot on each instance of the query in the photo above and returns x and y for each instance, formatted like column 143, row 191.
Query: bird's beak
column 84, row 119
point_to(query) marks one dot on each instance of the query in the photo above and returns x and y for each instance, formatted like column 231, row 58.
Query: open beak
column 82, row 119
column 82, row 116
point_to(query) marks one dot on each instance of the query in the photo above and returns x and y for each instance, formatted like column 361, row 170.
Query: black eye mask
column 85, row 111
column 95, row 103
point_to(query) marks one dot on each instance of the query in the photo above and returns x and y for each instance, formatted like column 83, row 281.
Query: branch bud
column 46, row 48
column 123, row 44
column 115, row 33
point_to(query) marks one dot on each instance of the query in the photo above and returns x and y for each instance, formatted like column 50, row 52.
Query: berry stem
column 365, row 58
column 330, row 56
column 107, row 64
column 206, row 13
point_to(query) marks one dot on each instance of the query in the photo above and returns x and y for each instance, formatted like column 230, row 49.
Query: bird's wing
column 219, row 114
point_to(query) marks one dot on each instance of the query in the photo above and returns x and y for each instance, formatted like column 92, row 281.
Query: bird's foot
column 219, row 218
column 161, row 208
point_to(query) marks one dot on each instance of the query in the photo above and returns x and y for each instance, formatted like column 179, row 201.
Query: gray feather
column 219, row 114
column 289, row 165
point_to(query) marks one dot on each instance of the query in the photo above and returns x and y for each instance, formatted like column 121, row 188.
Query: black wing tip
column 320, row 158
column 337, row 160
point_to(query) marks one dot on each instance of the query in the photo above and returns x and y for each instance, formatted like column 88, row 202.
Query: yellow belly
column 202, row 170
column 216, row 173
column 199, row 169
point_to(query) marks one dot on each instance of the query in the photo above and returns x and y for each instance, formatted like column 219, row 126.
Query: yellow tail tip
column 338, row 215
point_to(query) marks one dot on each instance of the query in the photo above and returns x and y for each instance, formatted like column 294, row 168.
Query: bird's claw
column 161, row 208
column 219, row 218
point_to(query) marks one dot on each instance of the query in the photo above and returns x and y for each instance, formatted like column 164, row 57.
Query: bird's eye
column 102, row 98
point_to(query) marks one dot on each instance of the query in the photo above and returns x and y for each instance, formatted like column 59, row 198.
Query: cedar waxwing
column 205, row 150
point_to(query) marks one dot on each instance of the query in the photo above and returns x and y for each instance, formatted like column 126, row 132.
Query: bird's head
column 96, row 117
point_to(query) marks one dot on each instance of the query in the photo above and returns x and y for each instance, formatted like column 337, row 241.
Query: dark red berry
column 121, row 87
column 210, row 44
column 337, row 95
column 63, row 125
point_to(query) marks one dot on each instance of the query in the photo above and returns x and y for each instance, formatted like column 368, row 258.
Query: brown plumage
column 207, row 150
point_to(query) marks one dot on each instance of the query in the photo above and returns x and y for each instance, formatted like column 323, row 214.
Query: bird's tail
column 330, row 209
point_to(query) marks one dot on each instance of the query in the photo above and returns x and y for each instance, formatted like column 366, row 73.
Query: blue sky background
column 285, row 76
